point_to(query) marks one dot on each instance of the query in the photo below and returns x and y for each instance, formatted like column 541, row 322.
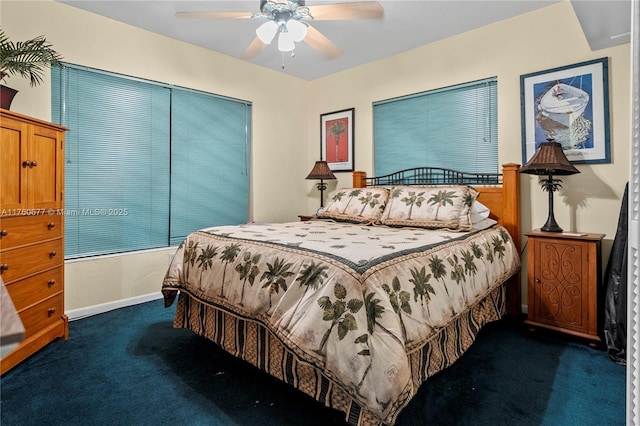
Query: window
column 209, row 162
column 454, row 127
column 147, row 163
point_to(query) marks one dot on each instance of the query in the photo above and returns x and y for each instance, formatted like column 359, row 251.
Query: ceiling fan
column 290, row 20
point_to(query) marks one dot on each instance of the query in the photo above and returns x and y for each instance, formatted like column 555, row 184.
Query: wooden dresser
column 564, row 273
column 32, row 229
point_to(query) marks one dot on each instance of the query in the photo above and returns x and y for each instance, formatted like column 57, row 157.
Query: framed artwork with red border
column 336, row 139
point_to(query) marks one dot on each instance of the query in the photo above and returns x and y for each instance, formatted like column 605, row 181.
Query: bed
column 359, row 307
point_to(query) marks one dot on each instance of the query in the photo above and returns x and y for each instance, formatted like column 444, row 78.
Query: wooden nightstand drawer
column 21, row 230
column 36, row 288
column 43, row 314
column 22, row 262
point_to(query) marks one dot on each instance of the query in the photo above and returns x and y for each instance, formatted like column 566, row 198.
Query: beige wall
column 286, row 114
column 278, row 122
column 548, row 38
column 87, row 39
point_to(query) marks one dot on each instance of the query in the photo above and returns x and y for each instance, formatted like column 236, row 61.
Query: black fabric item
column 615, row 285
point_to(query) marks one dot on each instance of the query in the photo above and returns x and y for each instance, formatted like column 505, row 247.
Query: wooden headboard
column 499, row 192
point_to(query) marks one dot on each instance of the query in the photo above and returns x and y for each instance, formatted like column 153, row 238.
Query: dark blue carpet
column 130, row 367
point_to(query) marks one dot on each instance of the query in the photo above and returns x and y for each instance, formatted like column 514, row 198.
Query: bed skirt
column 251, row 341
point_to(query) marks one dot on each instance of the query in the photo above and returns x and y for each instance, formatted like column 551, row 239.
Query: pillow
column 434, row 207
column 358, row 205
column 484, row 224
column 479, row 212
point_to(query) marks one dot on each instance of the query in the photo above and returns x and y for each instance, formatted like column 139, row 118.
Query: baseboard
column 81, row 313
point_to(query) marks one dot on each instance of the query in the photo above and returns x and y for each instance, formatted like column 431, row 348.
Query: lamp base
column 321, row 187
column 551, row 229
column 550, row 186
column 551, row 225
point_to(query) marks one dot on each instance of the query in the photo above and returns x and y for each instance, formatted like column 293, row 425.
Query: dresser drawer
column 37, row 317
column 21, row 230
column 22, row 262
column 36, row 288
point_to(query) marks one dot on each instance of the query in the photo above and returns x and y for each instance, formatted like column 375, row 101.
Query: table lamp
column 549, row 160
column 321, row 171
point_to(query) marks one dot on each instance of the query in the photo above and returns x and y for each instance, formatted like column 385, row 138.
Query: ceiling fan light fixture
column 267, row 31
column 297, row 29
column 292, row 21
column 285, row 42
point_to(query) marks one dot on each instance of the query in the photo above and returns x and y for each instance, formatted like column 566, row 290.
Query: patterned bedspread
column 351, row 300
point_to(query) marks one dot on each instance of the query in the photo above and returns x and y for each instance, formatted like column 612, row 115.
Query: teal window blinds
column 453, row 127
column 147, row 163
column 209, row 162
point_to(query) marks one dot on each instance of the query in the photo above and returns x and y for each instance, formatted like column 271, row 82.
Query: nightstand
column 564, row 273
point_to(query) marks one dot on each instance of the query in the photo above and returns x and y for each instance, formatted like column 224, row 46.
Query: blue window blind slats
column 134, row 149
column 208, row 163
column 452, row 127
column 117, row 164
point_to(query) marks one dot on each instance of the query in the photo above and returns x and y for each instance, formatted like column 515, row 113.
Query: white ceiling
column 406, row 24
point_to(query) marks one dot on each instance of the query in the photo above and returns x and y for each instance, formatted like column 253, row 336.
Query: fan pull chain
column 293, row 55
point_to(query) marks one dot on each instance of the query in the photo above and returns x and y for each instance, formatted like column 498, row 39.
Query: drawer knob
column 51, row 311
column 34, row 163
column 26, row 163
column 51, row 225
column 52, row 254
column 4, row 233
column 51, row 283
column 537, row 280
column 4, row 267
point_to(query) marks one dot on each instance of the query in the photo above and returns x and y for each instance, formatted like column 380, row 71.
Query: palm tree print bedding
column 354, row 301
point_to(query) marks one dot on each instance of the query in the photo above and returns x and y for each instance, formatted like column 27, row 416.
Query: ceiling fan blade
column 254, row 48
column 346, row 11
column 213, row 15
column 316, row 40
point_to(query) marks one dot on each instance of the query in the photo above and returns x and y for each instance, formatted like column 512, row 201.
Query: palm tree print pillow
column 433, row 207
column 357, row 205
